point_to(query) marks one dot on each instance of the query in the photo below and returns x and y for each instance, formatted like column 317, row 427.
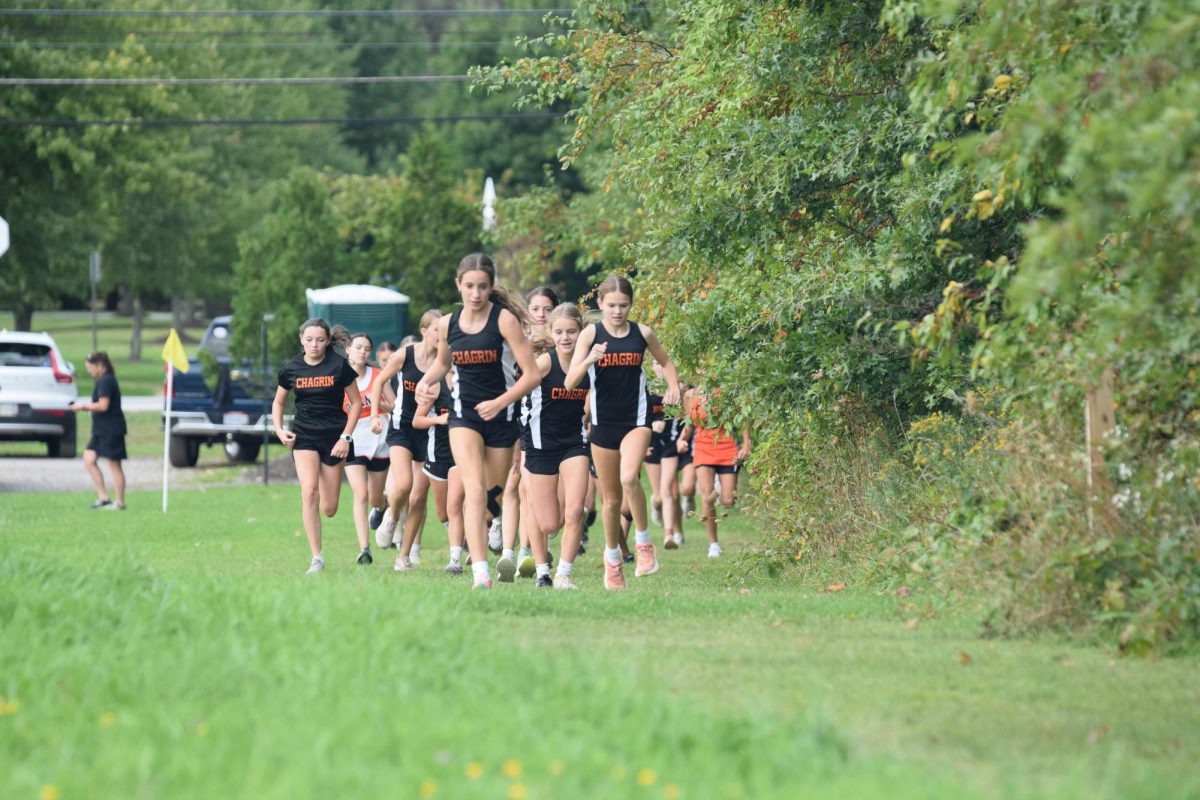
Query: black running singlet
column 553, row 414
column 618, row 381
column 406, row 387
column 439, row 435
column 483, row 365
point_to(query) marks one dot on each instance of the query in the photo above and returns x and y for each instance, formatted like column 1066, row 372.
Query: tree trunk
column 23, row 317
column 135, row 339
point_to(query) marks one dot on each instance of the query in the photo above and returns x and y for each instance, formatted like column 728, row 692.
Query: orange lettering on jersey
column 410, row 386
column 620, row 360
column 317, row 382
column 561, row 393
column 467, row 357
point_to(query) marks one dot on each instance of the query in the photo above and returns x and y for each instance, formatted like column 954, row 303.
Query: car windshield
column 24, row 354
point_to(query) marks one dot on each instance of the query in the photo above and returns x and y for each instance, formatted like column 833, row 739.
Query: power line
column 358, row 122
column 334, row 79
column 194, row 13
column 420, row 45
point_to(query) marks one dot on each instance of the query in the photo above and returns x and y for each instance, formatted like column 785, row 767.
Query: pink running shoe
column 614, row 576
column 647, row 560
column 485, row 583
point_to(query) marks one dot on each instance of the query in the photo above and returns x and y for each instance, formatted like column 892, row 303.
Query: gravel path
column 19, row 474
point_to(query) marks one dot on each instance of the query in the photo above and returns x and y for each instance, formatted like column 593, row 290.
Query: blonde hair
column 429, row 318
column 542, row 341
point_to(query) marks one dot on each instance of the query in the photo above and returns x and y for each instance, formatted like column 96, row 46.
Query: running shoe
column 386, row 531
column 714, row 550
column 647, row 561
column 669, row 542
column 99, row 504
column 564, row 582
column 482, row 583
column 678, row 537
column 506, row 569
column 544, row 582
column 317, row 565
column 655, row 513
column 627, row 558
column 403, row 564
column 453, row 568
column 364, row 558
column 614, row 576
column 525, row 565
column 375, row 518
column 114, row 507
column 496, row 536
column 414, row 554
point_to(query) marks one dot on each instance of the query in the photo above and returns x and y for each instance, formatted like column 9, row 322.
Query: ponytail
column 340, row 338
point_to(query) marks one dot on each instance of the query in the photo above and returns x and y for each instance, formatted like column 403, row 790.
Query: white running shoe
column 414, row 554
column 678, row 537
column 655, row 513
column 563, row 582
column 386, row 531
column 317, row 565
column 714, row 550
column 496, row 536
column 403, row 564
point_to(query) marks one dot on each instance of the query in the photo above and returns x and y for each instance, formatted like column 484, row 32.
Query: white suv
column 36, row 387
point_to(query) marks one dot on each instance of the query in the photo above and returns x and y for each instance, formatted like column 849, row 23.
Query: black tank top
column 405, row 385
column 439, row 435
column 618, row 382
column 483, row 364
column 553, row 414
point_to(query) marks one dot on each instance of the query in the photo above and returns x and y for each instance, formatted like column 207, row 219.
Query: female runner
column 662, row 465
column 382, row 353
column 405, row 445
column 512, row 525
column 714, row 453
column 556, row 453
column 320, row 437
column 433, row 418
column 610, row 353
column 481, row 341
column 367, row 469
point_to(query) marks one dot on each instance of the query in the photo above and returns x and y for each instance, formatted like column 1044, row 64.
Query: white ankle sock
column 508, row 553
column 612, row 555
column 479, row 569
column 565, row 567
column 643, row 537
column 455, row 554
column 543, row 569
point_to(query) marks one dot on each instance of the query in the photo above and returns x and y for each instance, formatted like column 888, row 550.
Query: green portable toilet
column 378, row 312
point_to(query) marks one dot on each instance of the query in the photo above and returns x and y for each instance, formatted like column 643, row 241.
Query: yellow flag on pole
column 173, row 354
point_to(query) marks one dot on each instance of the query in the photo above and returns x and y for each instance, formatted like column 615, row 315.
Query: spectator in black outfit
column 108, row 432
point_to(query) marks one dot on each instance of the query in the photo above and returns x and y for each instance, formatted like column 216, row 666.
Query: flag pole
column 167, row 429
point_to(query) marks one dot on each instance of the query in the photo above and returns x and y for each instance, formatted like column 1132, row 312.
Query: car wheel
column 183, row 451
column 62, row 447
column 242, row 451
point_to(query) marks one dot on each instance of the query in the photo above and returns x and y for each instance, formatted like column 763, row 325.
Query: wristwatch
column 347, row 438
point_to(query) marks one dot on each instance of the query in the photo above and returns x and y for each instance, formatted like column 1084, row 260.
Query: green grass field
column 187, row 655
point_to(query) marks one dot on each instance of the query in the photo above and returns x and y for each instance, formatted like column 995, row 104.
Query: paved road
column 141, row 403
column 22, row 474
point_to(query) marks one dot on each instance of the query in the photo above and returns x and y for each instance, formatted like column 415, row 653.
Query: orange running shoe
column 647, row 560
column 614, row 576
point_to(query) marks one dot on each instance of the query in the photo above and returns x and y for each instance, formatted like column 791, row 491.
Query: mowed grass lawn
column 187, row 655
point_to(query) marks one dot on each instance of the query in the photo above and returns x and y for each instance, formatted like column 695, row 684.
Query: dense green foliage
column 407, row 231
column 885, row 226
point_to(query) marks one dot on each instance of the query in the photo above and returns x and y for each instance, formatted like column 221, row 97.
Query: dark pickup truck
column 231, row 413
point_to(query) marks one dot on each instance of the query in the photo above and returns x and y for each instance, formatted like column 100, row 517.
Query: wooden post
column 1098, row 414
